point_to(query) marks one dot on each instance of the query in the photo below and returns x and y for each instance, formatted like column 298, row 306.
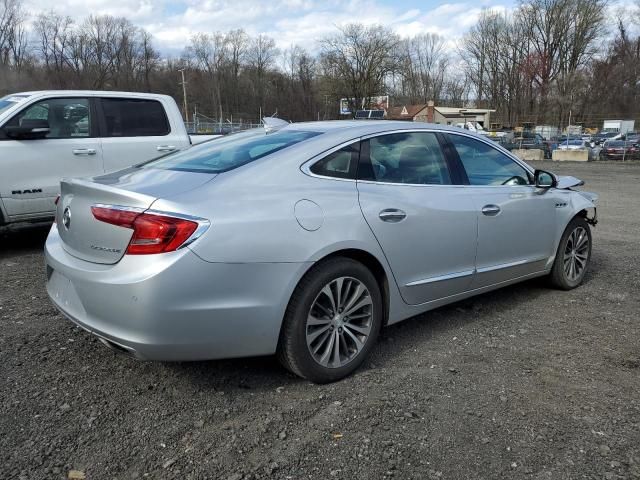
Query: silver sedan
column 305, row 239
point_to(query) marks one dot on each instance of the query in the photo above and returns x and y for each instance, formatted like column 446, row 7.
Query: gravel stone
column 543, row 369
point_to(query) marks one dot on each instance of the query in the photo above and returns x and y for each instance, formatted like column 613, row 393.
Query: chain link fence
column 218, row 128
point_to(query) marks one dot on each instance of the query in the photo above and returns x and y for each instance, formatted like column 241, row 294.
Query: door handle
column 165, row 148
column 491, row 210
column 392, row 215
column 84, row 151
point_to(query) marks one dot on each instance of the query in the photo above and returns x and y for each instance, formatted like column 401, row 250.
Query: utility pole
column 184, row 95
column 195, row 118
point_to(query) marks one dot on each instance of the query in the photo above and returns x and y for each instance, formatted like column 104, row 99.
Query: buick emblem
column 66, row 218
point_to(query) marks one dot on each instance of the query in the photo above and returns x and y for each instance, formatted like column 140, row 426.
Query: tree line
column 542, row 62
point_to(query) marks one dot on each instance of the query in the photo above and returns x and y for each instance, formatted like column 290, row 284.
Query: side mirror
column 29, row 129
column 544, row 179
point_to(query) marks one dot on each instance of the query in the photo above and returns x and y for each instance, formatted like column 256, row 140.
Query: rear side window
column 413, row 158
column 230, row 152
column 125, row 117
column 339, row 164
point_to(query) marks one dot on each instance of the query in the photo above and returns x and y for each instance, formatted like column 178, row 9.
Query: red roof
column 405, row 112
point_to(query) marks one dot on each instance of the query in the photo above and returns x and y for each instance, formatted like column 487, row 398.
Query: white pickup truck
column 48, row 135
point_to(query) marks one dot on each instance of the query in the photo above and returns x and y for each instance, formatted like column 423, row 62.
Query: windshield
column 616, row 143
column 230, row 152
column 10, row 100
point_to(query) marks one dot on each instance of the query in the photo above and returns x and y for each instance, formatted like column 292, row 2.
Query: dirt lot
column 525, row 382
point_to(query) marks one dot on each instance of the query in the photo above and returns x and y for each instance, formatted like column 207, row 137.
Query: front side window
column 230, row 152
column 411, row 158
column 339, row 164
column 486, row 165
column 130, row 117
column 65, row 117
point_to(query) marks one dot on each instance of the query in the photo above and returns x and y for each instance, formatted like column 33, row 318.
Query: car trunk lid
column 134, row 189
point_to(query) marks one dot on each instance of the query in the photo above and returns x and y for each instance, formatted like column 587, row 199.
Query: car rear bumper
column 173, row 306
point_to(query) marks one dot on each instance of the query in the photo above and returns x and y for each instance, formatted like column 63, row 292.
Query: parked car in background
column 530, row 140
column 306, row 241
column 619, row 150
column 505, row 141
column 631, row 137
column 601, row 137
column 576, row 144
column 572, row 144
column 48, row 135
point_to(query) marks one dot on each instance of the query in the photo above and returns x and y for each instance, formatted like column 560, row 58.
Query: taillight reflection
column 55, row 211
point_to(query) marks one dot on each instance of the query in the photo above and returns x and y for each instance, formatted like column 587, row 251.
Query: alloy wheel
column 576, row 254
column 339, row 322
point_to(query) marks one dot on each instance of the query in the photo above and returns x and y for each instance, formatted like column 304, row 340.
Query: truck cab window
column 66, row 117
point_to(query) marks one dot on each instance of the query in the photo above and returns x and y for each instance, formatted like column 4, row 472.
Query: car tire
column 573, row 255
column 312, row 326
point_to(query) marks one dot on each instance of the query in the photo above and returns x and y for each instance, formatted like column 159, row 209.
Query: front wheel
column 332, row 321
column 573, row 255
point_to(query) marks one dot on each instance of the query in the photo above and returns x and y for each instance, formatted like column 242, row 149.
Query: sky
column 289, row 22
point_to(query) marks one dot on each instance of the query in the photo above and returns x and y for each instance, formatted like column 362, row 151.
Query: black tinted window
column 134, row 118
column 487, row 166
column 230, row 152
column 340, row 164
column 413, row 158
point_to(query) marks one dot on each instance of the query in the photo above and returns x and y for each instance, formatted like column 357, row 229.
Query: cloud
column 302, row 22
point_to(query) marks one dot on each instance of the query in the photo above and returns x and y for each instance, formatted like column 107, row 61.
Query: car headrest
column 412, row 158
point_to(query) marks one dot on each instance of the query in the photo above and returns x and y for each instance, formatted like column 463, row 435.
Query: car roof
column 366, row 127
column 88, row 93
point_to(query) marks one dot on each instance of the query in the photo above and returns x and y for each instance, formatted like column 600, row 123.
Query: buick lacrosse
column 305, row 239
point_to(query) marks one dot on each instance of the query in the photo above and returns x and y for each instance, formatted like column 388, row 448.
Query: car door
column 136, row 130
column 31, row 167
column 516, row 220
column 421, row 215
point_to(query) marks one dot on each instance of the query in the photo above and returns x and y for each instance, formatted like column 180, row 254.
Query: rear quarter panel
column 253, row 220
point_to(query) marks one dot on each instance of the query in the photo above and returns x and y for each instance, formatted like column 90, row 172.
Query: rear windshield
column 224, row 154
column 615, row 143
column 10, row 101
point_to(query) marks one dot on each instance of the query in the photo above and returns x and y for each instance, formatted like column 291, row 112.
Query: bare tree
column 424, row 67
column 560, row 35
column 209, row 51
column 54, row 34
column 10, row 16
column 359, row 59
column 261, row 56
column 237, row 42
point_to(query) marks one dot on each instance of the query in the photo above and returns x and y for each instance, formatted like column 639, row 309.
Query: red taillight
column 121, row 218
column 151, row 233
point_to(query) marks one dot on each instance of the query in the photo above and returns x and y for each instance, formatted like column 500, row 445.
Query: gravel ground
column 524, row 382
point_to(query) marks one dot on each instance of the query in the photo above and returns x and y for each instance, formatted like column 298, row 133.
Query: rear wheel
column 332, row 321
column 573, row 256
